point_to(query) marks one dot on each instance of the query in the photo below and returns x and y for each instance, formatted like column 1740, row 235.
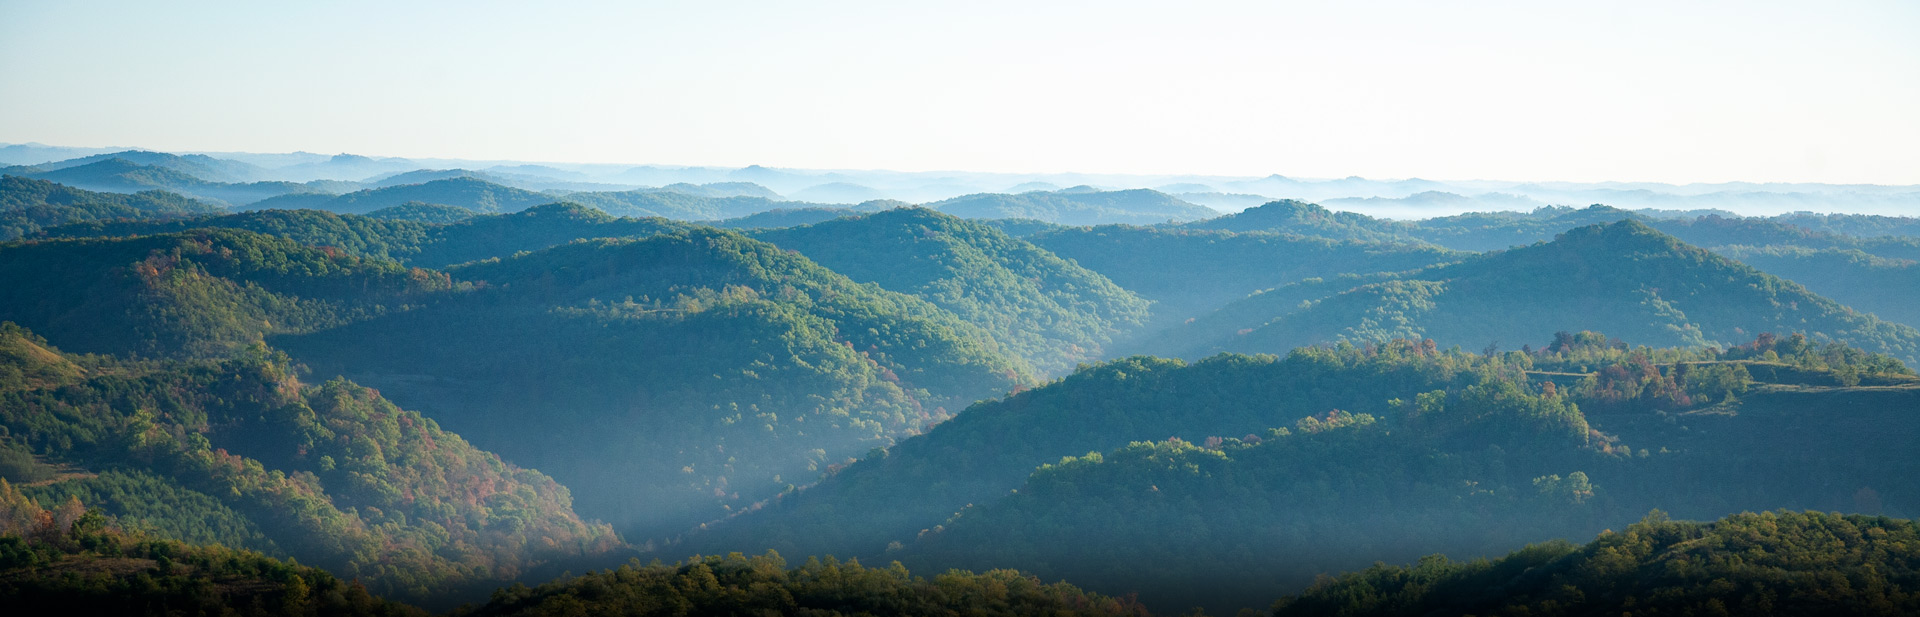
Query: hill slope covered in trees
column 201, row 293
column 673, row 376
column 1076, row 207
column 407, row 241
column 332, row 473
column 1187, row 273
column 1043, row 308
column 1624, row 278
column 463, row 191
column 1782, row 563
column 27, row 206
column 1280, row 469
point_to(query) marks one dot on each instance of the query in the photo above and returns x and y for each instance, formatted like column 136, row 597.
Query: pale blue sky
column 1654, row 91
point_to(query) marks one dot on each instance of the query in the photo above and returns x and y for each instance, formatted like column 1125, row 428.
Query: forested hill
column 65, row 559
column 409, row 242
column 1077, row 207
column 1188, row 273
column 120, row 175
column 421, row 212
column 1782, row 563
column 674, row 376
column 1878, row 285
column 28, row 206
column 198, row 166
column 1623, row 277
column 1299, row 217
column 466, row 192
column 1045, row 309
column 242, row 452
column 766, row 585
column 1280, row 469
column 681, row 205
column 201, row 293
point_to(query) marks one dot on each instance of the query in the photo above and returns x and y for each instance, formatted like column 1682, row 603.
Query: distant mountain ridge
column 1622, row 277
column 1075, row 206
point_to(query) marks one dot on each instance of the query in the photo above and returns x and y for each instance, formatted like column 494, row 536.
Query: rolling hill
column 1039, row 307
column 28, row 206
column 464, row 191
column 1625, row 278
column 331, row 473
column 120, row 175
column 409, row 242
column 1077, row 207
column 674, row 377
column 1782, row 563
column 1187, row 274
column 201, row 293
column 198, row 166
column 1328, row 459
column 1302, row 218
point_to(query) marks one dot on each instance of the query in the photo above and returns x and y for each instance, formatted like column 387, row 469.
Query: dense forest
column 28, row 206
column 1442, row 451
column 1771, row 563
column 675, row 376
column 1623, row 278
column 242, row 451
column 68, row 559
column 1077, row 206
column 233, row 389
column 202, row 293
column 1038, row 306
column 1187, row 274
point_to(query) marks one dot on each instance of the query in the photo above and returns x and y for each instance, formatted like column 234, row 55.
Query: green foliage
column 465, row 192
column 410, row 508
column 1077, row 207
column 786, row 217
column 202, row 293
column 680, row 205
column 366, row 237
column 135, row 499
column 406, row 241
column 1850, row 276
column 1399, row 449
column 1042, row 308
column 1299, row 217
column 68, row 560
column 17, row 464
column 1772, row 563
column 1189, row 273
column 28, row 206
column 992, row 446
column 422, row 212
column 1624, row 278
column 738, row 585
column 675, row 377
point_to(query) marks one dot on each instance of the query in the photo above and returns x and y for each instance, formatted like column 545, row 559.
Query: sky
column 1580, row 91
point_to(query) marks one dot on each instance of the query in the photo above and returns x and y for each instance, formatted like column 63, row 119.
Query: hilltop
column 1282, row 468
column 1189, row 273
column 464, row 191
column 1075, row 206
column 1623, row 277
column 1047, row 310
column 241, row 452
column 200, row 293
column 28, row 206
column 675, row 376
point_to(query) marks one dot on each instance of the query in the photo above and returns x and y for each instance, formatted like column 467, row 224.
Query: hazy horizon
column 1629, row 92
